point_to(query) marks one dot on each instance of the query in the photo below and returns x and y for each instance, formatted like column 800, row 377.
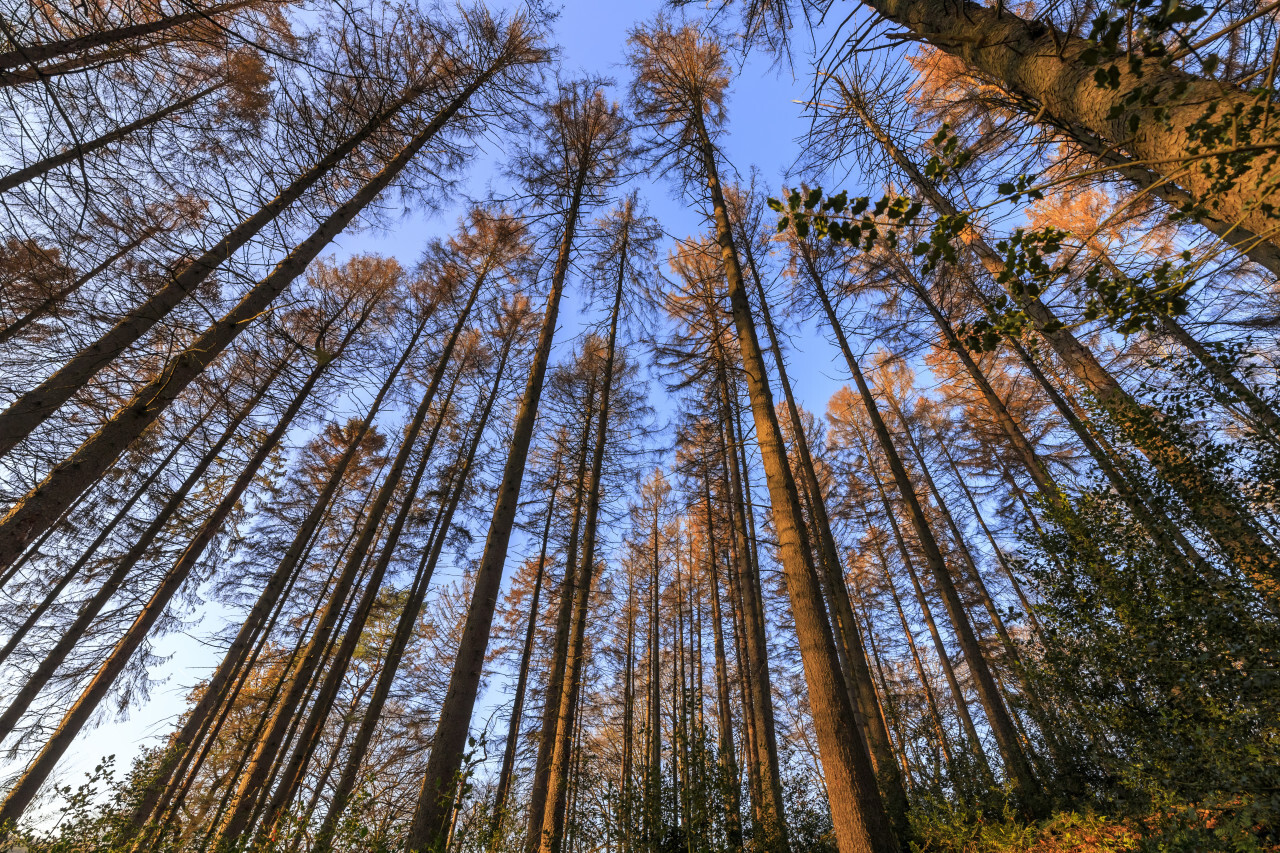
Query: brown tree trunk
column 1220, row 517
column 39, row 507
column 430, row 825
column 729, row 781
column 1043, row 65
column 125, row 511
column 408, row 618
column 19, row 796
column 858, row 812
column 34, row 54
column 522, row 678
column 238, row 821
column 252, row 627
column 849, row 641
column 1015, row 760
column 536, row 808
column 554, row 816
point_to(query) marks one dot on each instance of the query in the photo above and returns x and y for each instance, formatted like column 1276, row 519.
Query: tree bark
column 1042, row 64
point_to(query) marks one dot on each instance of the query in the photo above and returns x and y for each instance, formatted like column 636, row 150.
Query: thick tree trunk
column 1043, row 65
column 29, row 517
column 862, row 689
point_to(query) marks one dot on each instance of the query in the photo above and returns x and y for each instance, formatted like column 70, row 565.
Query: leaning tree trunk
column 430, row 825
column 1044, row 66
column 41, row 506
column 124, row 565
column 18, row 177
column 1220, row 517
column 33, row 54
column 197, row 719
column 729, row 777
column 126, row 511
column 252, row 783
column 408, row 619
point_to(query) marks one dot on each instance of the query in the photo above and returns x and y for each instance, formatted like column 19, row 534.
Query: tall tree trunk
column 770, row 815
column 69, row 478
column 126, row 509
column 858, row 812
column 1220, row 517
column 18, row 177
column 1043, row 65
column 557, row 786
column 429, row 827
column 560, row 644
column 124, row 565
column 862, row 689
column 522, row 677
column 729, row 781
column 238, row 820
column 408, row 617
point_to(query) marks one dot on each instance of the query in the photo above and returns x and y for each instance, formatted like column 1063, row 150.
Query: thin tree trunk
column 1011, row 751
column 560, row 646
column 19, row 177
column 125, row 511
column 19, row 796
column 33, row 54
column 15, row 328
column 408, row 619
column 429, row 827
column 724, row 709
column 238, row 821
column 1220, row 517
column 272, row 592
column 552, row 828
column 522, row 678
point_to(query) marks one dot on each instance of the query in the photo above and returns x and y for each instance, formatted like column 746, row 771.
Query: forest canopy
column 916, row 490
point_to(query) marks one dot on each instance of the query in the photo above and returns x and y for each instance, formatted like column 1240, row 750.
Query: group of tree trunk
column 465, row 583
